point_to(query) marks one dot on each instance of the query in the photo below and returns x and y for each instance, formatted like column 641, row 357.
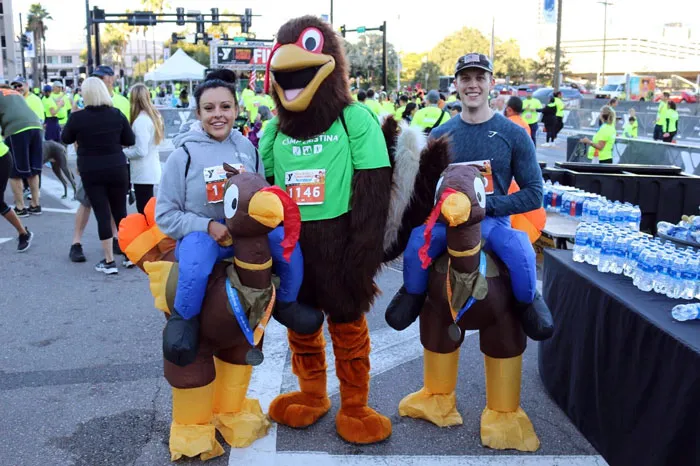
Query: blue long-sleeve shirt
column 511, row 153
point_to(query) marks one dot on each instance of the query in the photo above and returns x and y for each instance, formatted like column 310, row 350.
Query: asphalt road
column 81, row 373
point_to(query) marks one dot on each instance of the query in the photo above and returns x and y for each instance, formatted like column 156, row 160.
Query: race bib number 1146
column 306, row 187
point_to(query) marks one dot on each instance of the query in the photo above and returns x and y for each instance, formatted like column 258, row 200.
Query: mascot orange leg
column 305, row 407
column 356, row 422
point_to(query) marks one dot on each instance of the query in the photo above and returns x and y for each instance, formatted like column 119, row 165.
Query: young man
column 503, row 151
column 661, row 117
column 431, row 116
column 530, row 115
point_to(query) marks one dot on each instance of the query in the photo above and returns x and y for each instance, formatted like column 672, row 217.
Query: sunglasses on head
column 16, row 86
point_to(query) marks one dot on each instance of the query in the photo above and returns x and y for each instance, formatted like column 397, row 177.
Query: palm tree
column 36, row 23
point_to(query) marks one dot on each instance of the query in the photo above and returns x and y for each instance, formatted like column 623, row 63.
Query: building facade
column 9, row 65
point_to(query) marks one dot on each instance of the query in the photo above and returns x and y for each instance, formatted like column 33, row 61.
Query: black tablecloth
column 626, row 374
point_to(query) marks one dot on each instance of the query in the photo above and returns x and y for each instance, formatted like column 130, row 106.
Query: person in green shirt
column 34, row 102
column 559, row 105
column 252, row 104
column 25, row 236
column 601, row 147
column 431, row 116
column 52, row 129
column 631, row 128
column 62, row 101
column 670, row 123
column 247, row 95
column 387, row 108
column 403, row 101
column 530, row 115
column 372, row 103
column 660, row 117
column 106, row 74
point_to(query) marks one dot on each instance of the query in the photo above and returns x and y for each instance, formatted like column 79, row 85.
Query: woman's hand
column 220, row 233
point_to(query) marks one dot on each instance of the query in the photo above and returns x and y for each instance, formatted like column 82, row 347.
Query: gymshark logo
column 492, row 133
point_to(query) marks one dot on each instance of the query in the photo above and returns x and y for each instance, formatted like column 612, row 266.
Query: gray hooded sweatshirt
column 181, row 205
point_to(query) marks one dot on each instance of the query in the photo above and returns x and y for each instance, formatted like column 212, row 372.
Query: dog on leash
column 56, row 154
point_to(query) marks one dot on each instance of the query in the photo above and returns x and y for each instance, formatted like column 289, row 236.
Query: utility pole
column 557, row 55
column 43, row 49
column 88, row 27
column 22, row 40
column 384, row 59
column 331, row 15
column 493, row 39
column 605, row 3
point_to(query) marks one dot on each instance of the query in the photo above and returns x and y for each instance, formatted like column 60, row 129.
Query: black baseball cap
column 18, row 80
column 103, row 70
column 473, row 60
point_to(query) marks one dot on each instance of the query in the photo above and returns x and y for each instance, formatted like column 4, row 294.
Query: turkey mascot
column 360, row 188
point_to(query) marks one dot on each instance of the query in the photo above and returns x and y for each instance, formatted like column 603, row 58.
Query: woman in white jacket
column 143, row 156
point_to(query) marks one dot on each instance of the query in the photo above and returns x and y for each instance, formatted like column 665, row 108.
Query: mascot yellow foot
column 355, row 422
column 305, row 407
column 504, row 425
column 239, row 419
column 191, row 432
column 162, row 282
column 436, row 401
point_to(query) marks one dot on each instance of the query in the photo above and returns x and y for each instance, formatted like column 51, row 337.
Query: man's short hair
column 370, row 93
column 361, row 96
column 515, row 104
column 433, row 96
column 667, row 94
column 403, row 98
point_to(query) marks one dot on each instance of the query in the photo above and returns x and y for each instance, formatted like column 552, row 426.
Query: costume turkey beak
column 291, row 58
column 456, row 209
column 266, row 208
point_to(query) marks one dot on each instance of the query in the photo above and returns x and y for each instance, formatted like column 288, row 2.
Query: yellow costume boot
column 163, row 282
column 239, row 419
column 436, row 401
column 504, row 424
column 191, row 432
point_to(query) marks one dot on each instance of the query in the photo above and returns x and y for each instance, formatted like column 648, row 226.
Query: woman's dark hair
column 671, row 105
column 213, row 84
column 409, row 108
column 632, row 119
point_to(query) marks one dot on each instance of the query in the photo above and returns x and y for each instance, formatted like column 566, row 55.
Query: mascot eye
column 312, row 40
column 480, row 192
column 231, row 201
column 437, row 189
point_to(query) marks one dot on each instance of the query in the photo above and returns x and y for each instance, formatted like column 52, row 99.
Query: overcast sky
column 413, row 29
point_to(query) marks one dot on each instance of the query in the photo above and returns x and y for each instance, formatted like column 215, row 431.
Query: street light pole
column 331, row 16
column 605, row 3
column 557, row 55
column 21, row 45
column 88, row 25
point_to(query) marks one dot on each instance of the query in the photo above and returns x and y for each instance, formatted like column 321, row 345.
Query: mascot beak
column 266, row 208
column 456, row 209
column 297, row 75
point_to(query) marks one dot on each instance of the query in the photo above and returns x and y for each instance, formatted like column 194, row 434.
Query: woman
column 408, row 112
column 549, row 119
column 144, row 161
column 600, row 148
column 670, row 122
column 100, row 131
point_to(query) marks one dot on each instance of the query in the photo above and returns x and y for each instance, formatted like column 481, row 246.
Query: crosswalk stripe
column 5, row 240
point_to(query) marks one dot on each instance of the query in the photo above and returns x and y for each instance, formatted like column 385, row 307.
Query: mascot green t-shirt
column 317, row 172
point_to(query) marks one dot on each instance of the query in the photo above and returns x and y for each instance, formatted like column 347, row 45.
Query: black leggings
column 106, row 189
column 551, row 132
column 5, row 165
column 143, row 192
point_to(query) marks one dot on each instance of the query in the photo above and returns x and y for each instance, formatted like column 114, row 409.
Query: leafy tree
column 36, row 22
column 409, row 65
column 199, row 51
column 466, row 40
column 432, row 70
column 365, row 60
column 544, row 67
column 507, row 61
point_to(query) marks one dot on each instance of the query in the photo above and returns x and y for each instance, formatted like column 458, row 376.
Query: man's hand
column 585, row 141
column 219, row 232
column 666, row 135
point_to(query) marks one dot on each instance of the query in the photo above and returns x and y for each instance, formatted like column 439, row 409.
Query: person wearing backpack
column 431, row 116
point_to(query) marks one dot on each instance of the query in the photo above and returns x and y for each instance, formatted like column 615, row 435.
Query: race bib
column 215, row 179
column 528, row 116
column 306, row 187
column 484, row 167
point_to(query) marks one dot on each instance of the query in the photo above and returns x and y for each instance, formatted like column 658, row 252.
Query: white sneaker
column 107, row 268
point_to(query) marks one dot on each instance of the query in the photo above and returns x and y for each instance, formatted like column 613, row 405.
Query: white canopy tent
column 179, row 67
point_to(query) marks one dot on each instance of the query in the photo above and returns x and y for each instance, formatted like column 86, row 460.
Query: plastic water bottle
column 580, row 198
column 635, row 249
column 606, row 254
column 581, row 242
column 644, row 279
column 547, row 195
column 683, row 312
column 690, row 277
column 565, row 204
column 594, row 247
column 618, row 214
column 593, row 210
column 585, row 214
column 605, row 214
column 675, row 280
column 619, row 258
column 663, row 271
column 637, row 216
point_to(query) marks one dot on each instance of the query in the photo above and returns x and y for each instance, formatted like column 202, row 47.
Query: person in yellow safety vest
column 661, row 117
column 431, row 116
column 62, row 101
column 247, row 95
column 34, row 102
column 530, row 115
column 601, row 146
column 403, row 101
column 52, row 130
column 252, row 104
column 353, row 93
column 386, row 106
column 559, row 105
column 670, row 122
column 372, row 103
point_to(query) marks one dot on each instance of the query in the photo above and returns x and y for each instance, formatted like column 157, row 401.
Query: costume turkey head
column 307, row 77
column 254, row 208
column 460, row 200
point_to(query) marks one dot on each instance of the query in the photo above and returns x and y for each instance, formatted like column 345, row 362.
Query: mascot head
column 307, row 77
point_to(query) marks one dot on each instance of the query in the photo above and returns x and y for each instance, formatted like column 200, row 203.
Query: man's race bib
column 528, row 116
column 484, row 167
column 215, row 179
column 306, row 187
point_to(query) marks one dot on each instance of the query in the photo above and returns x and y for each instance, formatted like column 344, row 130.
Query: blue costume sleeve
column 291, row 273
column 415, row 278
column 196, row 253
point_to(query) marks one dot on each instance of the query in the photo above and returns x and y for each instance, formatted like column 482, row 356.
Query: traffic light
column 200, row 24
column 142, row 18
column 173, row 38
column 180, row 16
column 247, row 20
column 215, row 16
column 24, row 40
column 342, row 30
column 98, row 14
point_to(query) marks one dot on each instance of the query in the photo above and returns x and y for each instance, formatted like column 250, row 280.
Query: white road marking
column 323, row 459
column 5, row 240
column 59, row 211
column 52, row 187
